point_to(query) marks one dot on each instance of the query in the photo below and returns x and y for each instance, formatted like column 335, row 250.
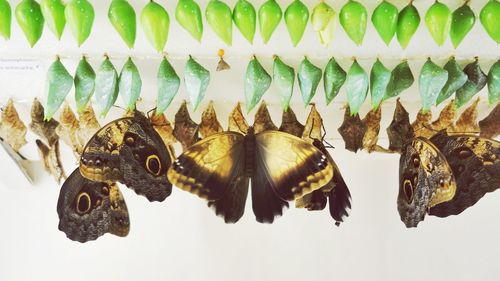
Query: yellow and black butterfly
column 282, row 168
column 130, row 151
column 336, row 191
column 89, row 209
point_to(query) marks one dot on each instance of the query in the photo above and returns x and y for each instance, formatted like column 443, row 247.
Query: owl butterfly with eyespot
column 89, row 209
column 425, row 180
column 475, row 162
column 336, row 191
column 282, row 168
column 130, row 151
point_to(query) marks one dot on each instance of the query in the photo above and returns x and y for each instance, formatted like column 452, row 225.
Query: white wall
column 181, row 239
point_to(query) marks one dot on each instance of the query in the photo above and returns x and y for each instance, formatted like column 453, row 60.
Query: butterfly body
column 281, row 167
column 130, row 151
column 88, row 209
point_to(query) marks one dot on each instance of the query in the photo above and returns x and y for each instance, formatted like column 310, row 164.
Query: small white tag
column 19, row 65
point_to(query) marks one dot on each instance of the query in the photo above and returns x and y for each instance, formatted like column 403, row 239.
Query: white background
column 181, row 239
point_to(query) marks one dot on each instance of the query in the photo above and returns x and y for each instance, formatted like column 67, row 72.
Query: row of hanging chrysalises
column 389, row 22
column 443, row 171
column 436, row 83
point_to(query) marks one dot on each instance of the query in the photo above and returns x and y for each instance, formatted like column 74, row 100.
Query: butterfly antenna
column 117, row 106
column 148, row 114
column 323, row 137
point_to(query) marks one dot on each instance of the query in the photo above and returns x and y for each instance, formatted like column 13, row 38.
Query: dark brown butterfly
column 130, row 151
column 335, row 191
column 88, row 209
column 475, row 162
column 282, row 168
column 425, row 180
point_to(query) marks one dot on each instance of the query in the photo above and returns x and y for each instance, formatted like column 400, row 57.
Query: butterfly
column 282, row 168
column 130, row 151
column 425, row 180
column 335, row 191
column 89, row 209
column 475, row 162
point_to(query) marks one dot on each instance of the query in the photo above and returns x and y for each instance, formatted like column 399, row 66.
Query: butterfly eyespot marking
column 441, row 182
column 83, row 203
column 416, row 161
column 153, row 164
column 129, row 140
column 408, row 190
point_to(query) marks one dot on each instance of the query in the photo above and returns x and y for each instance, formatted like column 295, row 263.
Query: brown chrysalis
column 185, row 129
column 45, row 130
column 263, row 121
column 372, row 122
column 237, row 122
column 352, row 131
column 88, row 123
column 51, row 159
column 12, row 128
column 313, row 127
column 209, row 124
column 69, row 130
column 422, row 126
column 490, row 125
column 446, row 117
column 290, row 124
column 467, row 121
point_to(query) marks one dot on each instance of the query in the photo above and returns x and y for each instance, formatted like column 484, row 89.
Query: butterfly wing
column 266, row 204
column 231, row 206
column 88, row 210
column 475, row 162
column 292, row 166
column 100, row 159
column 144, row 161
column 336, row 192
column 130, row 151
column 211, row 166
column 339, row 199
column 425, row 180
